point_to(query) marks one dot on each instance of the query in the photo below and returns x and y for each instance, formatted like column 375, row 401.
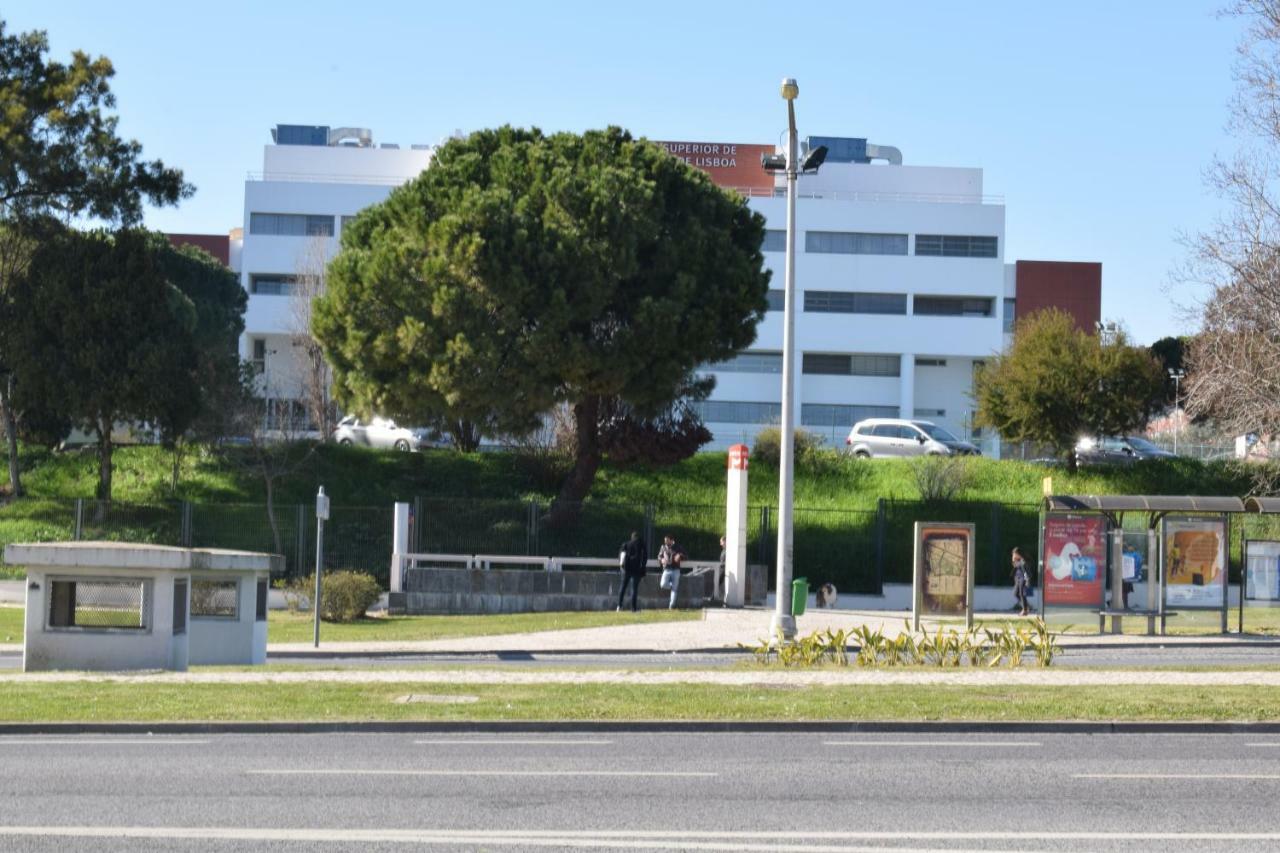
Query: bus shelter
column 1260, row 558
column 1179, row 562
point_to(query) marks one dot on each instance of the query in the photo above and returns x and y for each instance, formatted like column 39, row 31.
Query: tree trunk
column 11, row 435
column 177, row 465
column 104, row 459
column 271, row 516
column 465, row 435
column 587, row 458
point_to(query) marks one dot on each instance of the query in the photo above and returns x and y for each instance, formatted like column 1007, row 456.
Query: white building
column 313, row 181
column 902, row 283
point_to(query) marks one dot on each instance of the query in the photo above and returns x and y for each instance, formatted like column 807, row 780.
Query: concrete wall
column 226, row 641
column 430, row 590
column 154, row 647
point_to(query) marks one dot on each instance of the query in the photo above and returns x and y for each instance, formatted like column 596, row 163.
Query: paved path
column 648, row 792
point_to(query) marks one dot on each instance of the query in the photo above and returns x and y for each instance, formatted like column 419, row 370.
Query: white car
column 385, row 433
column 877, row 437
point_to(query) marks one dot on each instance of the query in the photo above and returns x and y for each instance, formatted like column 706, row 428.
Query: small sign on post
column 322, row 515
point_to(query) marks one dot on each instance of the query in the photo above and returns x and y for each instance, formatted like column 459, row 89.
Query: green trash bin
column 799, row 596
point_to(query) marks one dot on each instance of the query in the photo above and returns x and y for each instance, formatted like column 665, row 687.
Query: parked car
column 877, row 437
column 1117, row 450
column 385, row 433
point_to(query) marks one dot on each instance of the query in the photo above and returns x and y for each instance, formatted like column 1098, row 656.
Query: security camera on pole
column 783, row 621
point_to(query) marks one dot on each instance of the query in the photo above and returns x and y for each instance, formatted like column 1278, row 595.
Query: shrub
column 940, row 478
column 344, row 596
column 768, row 446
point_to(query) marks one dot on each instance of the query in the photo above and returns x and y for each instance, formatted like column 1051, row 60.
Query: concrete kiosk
column 122, row 605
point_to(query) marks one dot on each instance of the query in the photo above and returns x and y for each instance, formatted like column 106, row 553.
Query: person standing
column 1020, row 581
column 722, row 580
column 670, row 556
column 634, row 558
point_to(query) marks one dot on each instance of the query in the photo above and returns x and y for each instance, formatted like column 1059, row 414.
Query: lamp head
column 813, row 160
column 790, row 89
column 773, row 162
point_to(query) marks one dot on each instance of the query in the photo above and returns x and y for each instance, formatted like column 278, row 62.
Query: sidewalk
column 720, row 630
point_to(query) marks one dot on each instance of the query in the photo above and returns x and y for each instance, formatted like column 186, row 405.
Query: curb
column 647, row 727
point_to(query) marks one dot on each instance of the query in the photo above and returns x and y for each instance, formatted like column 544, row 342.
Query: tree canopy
column 1058, row 383
column 119, row 327
column 61, row 157
column 522, row 270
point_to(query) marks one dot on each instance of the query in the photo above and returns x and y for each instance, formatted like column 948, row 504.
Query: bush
column 940, row 478
column 768, row 446
column 344, row 596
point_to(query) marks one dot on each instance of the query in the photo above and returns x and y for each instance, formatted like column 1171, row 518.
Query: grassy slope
column 357, row 477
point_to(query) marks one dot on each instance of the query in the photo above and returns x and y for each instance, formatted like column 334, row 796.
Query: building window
column 955, row 246
column 930, row 413
column 777, row 300
column 273, row 285
column 730, row 412
column 179, row 607
column 290, row 225
column 1010, row 315
column 214, row 599
column 824, row 364
column 931, row 362
column 259, row 358
column 98, row 604
column 749, row 362
column 953, row 306
column 775, row 240
column 853, row 243
column 845, row 302
column 825, row 415
column 260, row 611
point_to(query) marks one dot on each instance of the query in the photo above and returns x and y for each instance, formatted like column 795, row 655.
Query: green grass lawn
column 297, row 628
column 285, row 627
column 103, row 702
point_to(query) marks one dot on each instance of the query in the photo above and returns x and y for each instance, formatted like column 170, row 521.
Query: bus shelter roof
column 1149, row 503
column 1264, row 505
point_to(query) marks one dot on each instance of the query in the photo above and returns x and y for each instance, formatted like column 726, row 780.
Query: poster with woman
column 1075, row 560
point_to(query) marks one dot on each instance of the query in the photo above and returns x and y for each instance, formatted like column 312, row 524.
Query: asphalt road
column 641, row 792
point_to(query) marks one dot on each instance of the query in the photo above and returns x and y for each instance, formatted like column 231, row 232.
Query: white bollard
column 735, row 528
column 399, row 546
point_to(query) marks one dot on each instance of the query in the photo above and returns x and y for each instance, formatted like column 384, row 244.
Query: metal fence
column 857, row 550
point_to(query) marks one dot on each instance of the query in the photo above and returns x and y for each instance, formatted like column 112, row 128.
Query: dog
column 826, row 595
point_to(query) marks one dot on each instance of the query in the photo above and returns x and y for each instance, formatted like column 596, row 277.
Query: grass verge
column 108, row 702
column 296, row 627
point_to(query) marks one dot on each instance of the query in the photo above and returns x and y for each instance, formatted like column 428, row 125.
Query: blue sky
column 1095, row 120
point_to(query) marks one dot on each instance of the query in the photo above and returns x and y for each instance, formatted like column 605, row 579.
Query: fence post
column 648, row 528
column 300, row 542
column 187, row 534
column 880, row 530
column 415, row 527
column 531, row 528
column 996, row 544
column 79, row 518
column 763, row 557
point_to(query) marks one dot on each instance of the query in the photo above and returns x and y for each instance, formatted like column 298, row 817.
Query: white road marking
column 1177, row 776
column 674, row 774
column 1262, row 744
column 851, row 841
column 503, row 742
column 948, row 743
column 14, row 741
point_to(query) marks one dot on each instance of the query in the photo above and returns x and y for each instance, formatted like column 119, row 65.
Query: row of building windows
column 290, row 225
column 864, row 243
column 857, row 302
column 822, row 364
column 811, row 414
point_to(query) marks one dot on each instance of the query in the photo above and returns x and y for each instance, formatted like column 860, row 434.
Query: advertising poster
column 1262, row 571
column 1195, row 562
column 944, row 568
column 1075, row 559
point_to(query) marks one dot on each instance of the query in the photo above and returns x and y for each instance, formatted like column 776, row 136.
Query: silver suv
column 877, row 437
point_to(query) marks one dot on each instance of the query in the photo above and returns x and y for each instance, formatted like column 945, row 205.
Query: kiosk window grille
column 260, row 613
column 213, row 599
column 179, row 607
column 98, row 604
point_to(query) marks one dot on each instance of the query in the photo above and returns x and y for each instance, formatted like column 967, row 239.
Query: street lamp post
column 1176, row 376
column 784, row 622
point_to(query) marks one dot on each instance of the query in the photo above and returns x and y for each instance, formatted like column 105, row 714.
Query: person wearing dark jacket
column 634, row 557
